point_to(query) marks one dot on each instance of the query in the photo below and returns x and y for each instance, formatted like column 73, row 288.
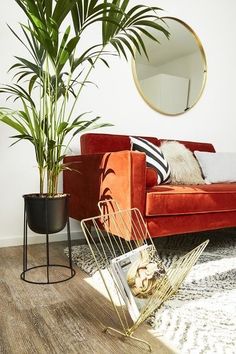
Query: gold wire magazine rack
column 133, row 274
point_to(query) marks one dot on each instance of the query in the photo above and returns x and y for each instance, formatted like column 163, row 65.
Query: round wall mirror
column 172, row 78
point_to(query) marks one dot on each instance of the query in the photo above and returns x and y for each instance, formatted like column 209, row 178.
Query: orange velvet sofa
column 108, row 169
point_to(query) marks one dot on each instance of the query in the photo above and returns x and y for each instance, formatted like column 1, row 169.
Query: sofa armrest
column 115, row 175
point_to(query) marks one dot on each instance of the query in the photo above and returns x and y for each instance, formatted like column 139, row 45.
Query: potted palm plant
column 49, row 80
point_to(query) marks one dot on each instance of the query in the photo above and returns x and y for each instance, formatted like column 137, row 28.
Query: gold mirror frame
column 204, row 68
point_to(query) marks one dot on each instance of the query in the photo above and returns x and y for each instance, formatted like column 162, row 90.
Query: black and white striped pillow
column 154, row 157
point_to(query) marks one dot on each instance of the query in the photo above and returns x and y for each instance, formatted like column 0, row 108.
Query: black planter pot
column 46, row 214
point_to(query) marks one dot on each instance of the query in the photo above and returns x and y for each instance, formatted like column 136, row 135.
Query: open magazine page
column 138, row 274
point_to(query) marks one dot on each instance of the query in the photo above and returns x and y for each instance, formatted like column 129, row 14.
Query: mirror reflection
column 172, row 79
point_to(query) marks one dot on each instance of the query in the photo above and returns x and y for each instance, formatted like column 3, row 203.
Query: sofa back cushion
column 191, row 145
column 94, row 143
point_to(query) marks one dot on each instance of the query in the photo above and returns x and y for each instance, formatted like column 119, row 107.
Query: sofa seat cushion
column 190, row 199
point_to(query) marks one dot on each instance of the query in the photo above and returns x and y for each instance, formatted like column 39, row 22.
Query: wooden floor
column 60, row 318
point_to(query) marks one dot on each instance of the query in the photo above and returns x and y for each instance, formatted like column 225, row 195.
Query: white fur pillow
column 183, row 165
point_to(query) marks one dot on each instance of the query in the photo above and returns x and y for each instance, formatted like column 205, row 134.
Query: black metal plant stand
column 48, row 266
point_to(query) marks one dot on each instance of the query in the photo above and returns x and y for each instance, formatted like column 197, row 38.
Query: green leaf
column 48, row 8
column 140, row 40
column 62, row 8
column 88, row 53
column 116, row 43
column 105, row 62
column 80, row 116
column 62, row 127
column 30, row 65
column 92, row 5
column 13, row 124
column 21, row 137
column 51, row 144
column 64, row 40
column 152, row 24
column 147, row 33
column 75, row 18
column 126, row 43
column 16, row 35
column 32, row 82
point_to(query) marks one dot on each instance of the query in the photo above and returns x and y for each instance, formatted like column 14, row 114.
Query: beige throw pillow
column 183, row 165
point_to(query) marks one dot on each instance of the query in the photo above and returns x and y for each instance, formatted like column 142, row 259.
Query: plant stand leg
column 69, row 246
column 47, row 249
column 129, row 335
column 24, row 246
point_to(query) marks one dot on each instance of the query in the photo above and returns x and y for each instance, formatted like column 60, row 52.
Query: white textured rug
column 201, row 318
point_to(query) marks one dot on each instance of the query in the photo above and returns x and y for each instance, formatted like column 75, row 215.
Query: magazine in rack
column 137, row 274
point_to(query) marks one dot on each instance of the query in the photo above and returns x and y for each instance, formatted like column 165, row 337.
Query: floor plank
column 59, row 318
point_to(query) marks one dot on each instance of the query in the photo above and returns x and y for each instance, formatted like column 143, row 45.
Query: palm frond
column 139, row 19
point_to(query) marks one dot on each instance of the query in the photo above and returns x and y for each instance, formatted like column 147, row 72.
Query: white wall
column 213, row 119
